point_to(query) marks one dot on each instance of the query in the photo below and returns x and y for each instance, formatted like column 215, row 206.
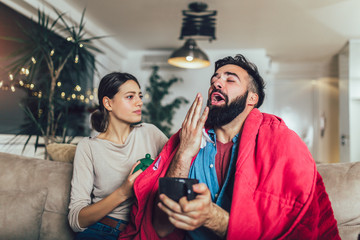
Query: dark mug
column 176, row 188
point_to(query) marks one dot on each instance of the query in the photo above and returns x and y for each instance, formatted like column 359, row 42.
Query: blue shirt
column 203, row 169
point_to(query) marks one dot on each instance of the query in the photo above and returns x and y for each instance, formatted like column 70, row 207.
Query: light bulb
column 189, row 58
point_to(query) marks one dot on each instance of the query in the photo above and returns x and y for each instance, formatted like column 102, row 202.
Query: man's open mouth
column 217, row 98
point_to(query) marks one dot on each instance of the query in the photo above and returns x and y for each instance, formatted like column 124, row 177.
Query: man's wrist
column 218, row 220
column 184, row 155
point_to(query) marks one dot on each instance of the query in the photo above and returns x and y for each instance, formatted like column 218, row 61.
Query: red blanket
column 277, row 194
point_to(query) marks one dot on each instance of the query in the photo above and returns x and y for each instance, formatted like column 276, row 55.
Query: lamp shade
column 189, row 56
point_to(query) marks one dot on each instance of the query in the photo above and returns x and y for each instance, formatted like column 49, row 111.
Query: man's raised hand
column 191, row 131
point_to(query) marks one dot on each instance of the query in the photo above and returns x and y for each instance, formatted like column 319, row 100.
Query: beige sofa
column 34, row 195
column 34, row 198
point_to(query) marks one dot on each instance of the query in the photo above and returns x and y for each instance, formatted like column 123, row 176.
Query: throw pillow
column 21, row 214
column 61, row 152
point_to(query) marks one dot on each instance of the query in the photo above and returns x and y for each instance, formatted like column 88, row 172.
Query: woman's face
column 126, row 105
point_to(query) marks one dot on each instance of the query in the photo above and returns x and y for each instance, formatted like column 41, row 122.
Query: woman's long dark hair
column 108, row 87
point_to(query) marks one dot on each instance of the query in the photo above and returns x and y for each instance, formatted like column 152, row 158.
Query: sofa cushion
column 342, row 181
column 21, row 213
column 20, row 173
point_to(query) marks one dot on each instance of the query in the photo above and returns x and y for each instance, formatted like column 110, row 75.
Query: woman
column 101, row 194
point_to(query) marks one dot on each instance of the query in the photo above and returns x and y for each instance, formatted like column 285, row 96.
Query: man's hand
column 191, row 129
column 189, row 215
column 190, row 139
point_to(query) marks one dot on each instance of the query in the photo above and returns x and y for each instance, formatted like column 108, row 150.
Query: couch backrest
column 52, row 179
column 342, row 183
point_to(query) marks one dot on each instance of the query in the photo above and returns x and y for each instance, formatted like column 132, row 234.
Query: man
column 257, row 178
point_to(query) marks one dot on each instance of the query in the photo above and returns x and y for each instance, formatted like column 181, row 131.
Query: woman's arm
column 95, row 212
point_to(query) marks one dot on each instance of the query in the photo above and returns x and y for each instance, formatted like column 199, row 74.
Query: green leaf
column 26, row 143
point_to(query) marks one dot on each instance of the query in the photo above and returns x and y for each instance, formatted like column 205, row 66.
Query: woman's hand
column 126, row 189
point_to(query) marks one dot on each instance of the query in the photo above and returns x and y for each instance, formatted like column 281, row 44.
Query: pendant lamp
column 198, row 24
column 189, row 56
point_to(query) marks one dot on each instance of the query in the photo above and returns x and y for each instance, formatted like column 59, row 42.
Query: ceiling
column 289, row 30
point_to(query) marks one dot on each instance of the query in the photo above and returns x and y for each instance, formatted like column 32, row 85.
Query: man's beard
column 221, row 115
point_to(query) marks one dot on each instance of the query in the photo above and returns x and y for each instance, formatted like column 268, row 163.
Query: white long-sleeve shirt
column 101, row 166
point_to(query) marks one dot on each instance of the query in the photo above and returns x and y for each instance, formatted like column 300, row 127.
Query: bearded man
column 257, row 178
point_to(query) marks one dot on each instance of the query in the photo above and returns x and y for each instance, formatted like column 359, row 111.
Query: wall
column 303, row 98
column 328, row 140
column 350, row 101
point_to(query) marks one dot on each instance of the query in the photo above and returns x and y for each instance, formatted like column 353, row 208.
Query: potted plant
column 54, row 65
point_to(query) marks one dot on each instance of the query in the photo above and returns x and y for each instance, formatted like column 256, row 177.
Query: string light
column 33, row 60
column 40, row 94
column 63, row 95
column 52, row 52
column 58, row 84
column 81, row 45
column 21, row 83
column 32, row 86
column 91, row 97
column 69, row 39
column 76, row 58
column 1, row 84
column 87, row 100
column 68, row 99
column 82, row 97
column 11, row 77
column 77, row 88
column 40, row 112
column 73, row 96
column 24, row 71
column 12, row 88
